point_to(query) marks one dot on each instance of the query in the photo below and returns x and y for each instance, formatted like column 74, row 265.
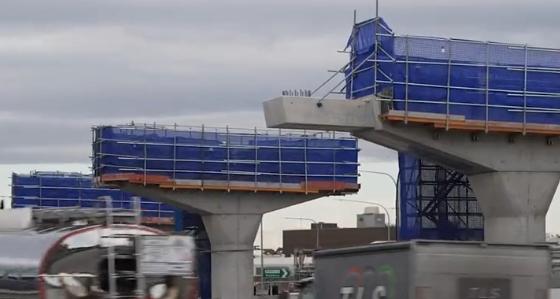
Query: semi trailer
column 433, row 270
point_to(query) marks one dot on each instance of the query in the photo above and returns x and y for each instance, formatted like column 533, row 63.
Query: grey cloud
column 68, row 140
column 66, row 65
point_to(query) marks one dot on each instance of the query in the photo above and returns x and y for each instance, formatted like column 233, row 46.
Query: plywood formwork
column 164, row 182
column 456, row 122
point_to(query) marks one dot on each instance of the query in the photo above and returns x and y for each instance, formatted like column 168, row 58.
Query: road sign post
column 276, row 273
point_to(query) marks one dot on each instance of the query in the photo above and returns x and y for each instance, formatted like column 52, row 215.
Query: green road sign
column 276, row 272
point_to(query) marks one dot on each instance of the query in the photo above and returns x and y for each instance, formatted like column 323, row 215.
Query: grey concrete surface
column 232, row 220
column 515, row 204
column 514, row 176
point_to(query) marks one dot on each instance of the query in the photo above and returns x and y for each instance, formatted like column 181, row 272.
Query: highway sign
column 276, row 272
column 166, row 255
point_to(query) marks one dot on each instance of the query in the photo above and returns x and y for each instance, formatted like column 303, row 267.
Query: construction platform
column 221, row 159
column 489, row 110
column 231, row 177
column 164, row 182
column 455, row 84
column 53, row 190
column 460, row 123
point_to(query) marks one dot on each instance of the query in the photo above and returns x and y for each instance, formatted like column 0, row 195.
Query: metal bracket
column 475, row 136
column 511, row 137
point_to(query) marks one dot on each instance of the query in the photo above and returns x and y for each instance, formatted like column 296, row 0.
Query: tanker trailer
column 73, row 263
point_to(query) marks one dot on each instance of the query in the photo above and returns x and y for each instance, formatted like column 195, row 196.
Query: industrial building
column 370, row 228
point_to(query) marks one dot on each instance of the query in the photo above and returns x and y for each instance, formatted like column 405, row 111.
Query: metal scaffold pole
column 110, row 249
column 262, row 255
column 140, row 279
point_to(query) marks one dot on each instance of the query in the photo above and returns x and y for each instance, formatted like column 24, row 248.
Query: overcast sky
column 66, row 65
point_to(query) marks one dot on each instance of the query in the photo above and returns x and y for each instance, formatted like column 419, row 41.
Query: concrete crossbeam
column 513, row 176
column 232, row 220
column 310, row 113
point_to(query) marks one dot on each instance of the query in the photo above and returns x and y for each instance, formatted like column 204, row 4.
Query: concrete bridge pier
column 514, row 204
column 232, row 237
column 514, row 176
column 232, row 220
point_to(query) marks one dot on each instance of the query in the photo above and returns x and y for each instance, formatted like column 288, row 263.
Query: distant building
column 331, row 236
column 324, row 225
column 370, row 218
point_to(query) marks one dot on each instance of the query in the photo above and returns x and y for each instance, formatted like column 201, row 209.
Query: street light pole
column 383, row 173
column 316, row 228
column 378, row 205
column 262, row 255
column 397, row 193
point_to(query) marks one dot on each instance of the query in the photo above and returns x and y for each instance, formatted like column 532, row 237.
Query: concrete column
column 514, row 176
column 232, row 220
column 232, row 238
column 515, row 204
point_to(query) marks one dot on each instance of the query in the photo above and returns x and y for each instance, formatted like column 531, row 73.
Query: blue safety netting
column 61, row 189
column 436, row 203
column 203, row 154
column 477, row 80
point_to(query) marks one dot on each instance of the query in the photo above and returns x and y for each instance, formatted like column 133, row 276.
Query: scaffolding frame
column 434, row 211
column 159, row 213
column 437, row 203
column 228, row 139
column 485, row 56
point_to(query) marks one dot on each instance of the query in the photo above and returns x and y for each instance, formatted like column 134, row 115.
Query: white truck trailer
column 434, row 270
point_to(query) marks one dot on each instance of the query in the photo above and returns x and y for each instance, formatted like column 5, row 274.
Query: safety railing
column 65, row 190
column 225, row 158
column 485, row 83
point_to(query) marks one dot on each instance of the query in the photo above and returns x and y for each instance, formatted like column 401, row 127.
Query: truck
column 85, row 259
column 422, row 269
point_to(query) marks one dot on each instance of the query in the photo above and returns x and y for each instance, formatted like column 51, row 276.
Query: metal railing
column 88, row 194
column 229, row 141
column 404, row 52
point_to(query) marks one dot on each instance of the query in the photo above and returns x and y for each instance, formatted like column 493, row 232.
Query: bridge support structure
column 513, row 175
column 232, row 220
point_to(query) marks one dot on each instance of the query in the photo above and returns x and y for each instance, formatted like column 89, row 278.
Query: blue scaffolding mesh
column 436, row 203
column 482, row 81
column 181, row 156
column 62, row 189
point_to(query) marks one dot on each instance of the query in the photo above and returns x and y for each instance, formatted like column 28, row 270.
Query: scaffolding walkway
column 54, row 191
column 459, row 123
column 453, row 84
column 225, row 159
